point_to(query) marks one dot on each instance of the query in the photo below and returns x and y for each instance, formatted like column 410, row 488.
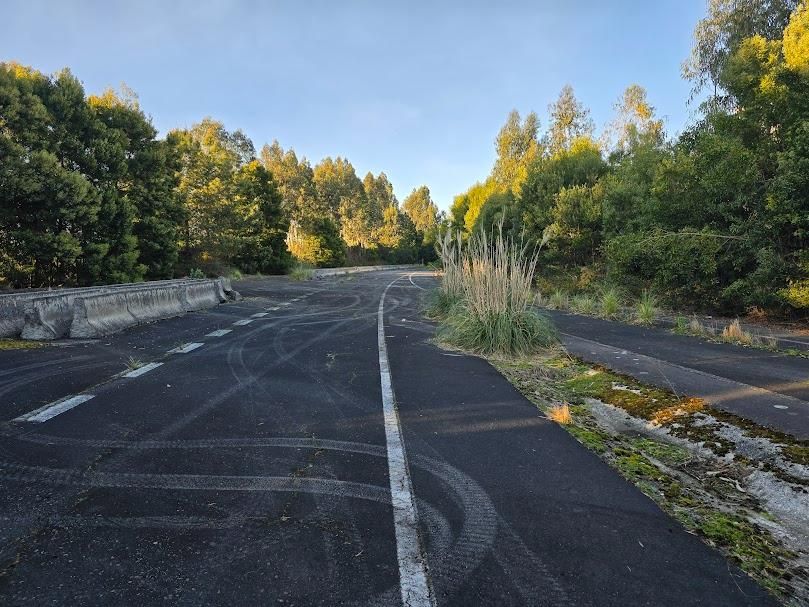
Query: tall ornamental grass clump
column 450, row 251
column 495, row 313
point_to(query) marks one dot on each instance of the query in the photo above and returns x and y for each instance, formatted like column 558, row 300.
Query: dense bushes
column 717, row 220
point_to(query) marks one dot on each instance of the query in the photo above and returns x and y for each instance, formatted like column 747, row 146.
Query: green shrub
column 680, row 266
column 558, row 300
column 610, row 303
column 196, row 273
column 646, row 311
column 301, row 271
column 583, row 304
column 514, row 332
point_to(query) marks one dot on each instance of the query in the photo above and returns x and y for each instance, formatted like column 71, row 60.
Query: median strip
column 53, row 409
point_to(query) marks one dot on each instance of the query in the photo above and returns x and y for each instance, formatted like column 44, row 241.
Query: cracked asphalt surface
column 253, row 470
column 769, row 388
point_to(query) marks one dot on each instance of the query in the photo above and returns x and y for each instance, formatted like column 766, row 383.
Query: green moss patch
column 701, row 493
column 19, row 344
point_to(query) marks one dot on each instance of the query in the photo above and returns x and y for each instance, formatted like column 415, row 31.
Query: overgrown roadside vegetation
column 714, row 220
column 610, row 303
column 744, row 489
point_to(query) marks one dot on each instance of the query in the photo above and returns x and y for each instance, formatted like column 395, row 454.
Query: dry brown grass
column 560, row 414
column 734, row 332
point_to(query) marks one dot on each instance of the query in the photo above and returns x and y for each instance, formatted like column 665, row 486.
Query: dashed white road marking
column 50, row 410
column 142, row 370
column 413, row 580
column 259, row 315
column 286, row 303
column 273, row 309
column 780, row 407
column 186, row 348
column 242, row 322
column 219, row 333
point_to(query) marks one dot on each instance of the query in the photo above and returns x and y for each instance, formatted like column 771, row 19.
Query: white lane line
column 259, row 315
column 50, row 410
column 186, row 348
column 219, row 333
column 273, row 309
column 410, row 278
column 244, row 321
column 142, row 370
column 413, row 580
column 286, row 303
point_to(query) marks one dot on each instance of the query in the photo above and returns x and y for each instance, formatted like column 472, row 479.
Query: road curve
column 245, row 458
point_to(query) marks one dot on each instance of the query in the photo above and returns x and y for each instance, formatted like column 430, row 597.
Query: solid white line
column 186, row 348
column 219, row 333
column 241, row 323
column 412, row 567
column 259, row 315
column 45, row 413
column 410, row 278
column 141, row 370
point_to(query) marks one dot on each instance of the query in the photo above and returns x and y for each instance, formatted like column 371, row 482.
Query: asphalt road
column 769, row 388
column 268, row 466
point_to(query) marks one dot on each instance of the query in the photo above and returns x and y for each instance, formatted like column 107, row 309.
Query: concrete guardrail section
column 99, row 311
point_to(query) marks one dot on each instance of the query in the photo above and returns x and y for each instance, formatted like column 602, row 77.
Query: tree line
column 716, row 219
column 89, row 194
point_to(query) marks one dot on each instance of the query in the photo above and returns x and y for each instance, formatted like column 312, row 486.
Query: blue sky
column 416, row 89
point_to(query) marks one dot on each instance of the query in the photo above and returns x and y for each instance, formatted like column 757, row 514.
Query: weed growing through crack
column 133, row 363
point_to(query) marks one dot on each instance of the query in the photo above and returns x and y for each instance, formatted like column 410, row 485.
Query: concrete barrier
column 99, row 311
column 13, row 306
column 12, row 315
column 50, row 315
column 154, row 303
column 200, row 295
column 101, row 314
column 327, row 272
column 228, row 289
